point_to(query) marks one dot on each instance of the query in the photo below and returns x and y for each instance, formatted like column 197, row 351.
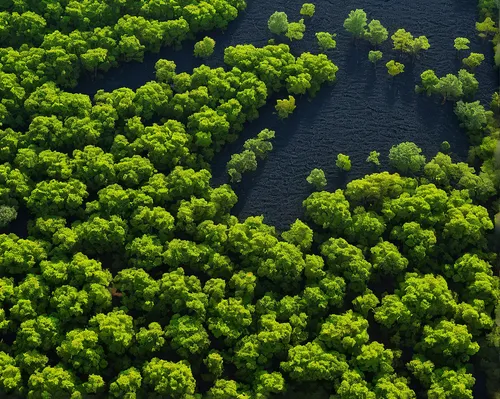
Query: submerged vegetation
column 124, row 274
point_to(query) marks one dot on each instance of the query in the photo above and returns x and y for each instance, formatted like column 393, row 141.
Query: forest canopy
column 124, row 272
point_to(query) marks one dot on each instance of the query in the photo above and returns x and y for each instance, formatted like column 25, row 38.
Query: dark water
column 364, row 111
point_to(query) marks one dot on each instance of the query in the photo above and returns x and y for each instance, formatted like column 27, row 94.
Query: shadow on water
column 365, row 110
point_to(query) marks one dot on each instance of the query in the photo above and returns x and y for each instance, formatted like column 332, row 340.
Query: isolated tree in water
column 278, row 23
column 473, row 60
column 296, row 30
column 317, row 178
column 355, row 23
column 308, row 9
column 343, row 162
column 204, row 48
column 394, row 68
column 326, row 41
column 375, row 56
column 376, row 33
column 285, row 107
column 461, row 43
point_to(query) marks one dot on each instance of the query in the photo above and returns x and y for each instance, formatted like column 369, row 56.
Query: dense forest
column 124, row 272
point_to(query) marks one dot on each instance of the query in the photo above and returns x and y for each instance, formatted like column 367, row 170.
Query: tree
column 126, row 384
column 81, row 350
column 115, row 330
column 376, row 33
column 285, row 107
column 278, row 23
column 393, row 385
column 7, row 215
column 52, row 381
column 204, row 48
column 447, row 383
column 174, row 380
column 473, row 60
column 149, row 340
column 418, row 242
column 245, row 161
column 230, row 319
column 374, row 358
column 472, row 116
column 486, row 28
column 406, row 157
column 429, row 82
column 374, row 56
column 138, row 289
column 342, row 257
column 164, row 70
column 386, row 259
column 310, row 362
column 343, row 162
column 461, row 44
column 95, row 59
column 329, row 210
column 225, row 389
column 419, row 298
column 268, row 383
column 307, row 9
column 326, row 41
column 356, row 23
column 345, row 333
column 394, row 68
column 187, row 336
column 449, row 87
column 353, row 385
column 300, row 234
column 374, row 158
column 448, row 342
column 406, row 43
column 469, row 83
column 10, row 373
column 317, row 178
column 296, row 30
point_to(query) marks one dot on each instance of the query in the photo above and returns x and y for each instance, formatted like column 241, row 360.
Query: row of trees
column 60, row 57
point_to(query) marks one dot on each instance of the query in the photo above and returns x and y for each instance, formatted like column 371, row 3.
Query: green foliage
column 473, row 60
column 376, row 33
column 204, row 48
column 296, row 30
column 343, row 162
column 7, row 215
column 168, row 378
column 356, row 23
column 394, row 68
column 246, row 161
column 308, row 9
column 344, row 333
column 375, row 56
column 406, row 43
column 317, row 179
column 285, row 107
column 278, row 23
column 132, row 278
column 311, row 362
column 326, row 41
column 472, row 116
column 406, row 158
column 486, row 28
column 461, row 43
column 374, row 158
